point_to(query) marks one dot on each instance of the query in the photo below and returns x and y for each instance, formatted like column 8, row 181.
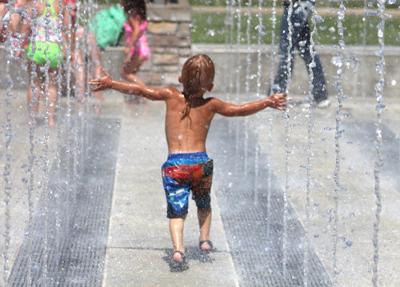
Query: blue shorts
column 185, row 172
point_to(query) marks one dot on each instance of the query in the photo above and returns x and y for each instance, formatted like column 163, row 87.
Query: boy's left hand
column 101, row 84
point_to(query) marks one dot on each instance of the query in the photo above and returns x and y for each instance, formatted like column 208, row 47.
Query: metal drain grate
column 255, row 237
column 66, row 242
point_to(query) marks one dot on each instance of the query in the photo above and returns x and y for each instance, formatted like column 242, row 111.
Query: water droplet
column 337, row 61
column 211, row 33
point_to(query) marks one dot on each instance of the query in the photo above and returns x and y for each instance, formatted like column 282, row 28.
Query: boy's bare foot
column 206, row 246
column 179, row 263
column 178, row 256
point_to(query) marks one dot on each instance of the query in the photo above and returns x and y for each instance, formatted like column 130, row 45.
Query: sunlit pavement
column 112, row 228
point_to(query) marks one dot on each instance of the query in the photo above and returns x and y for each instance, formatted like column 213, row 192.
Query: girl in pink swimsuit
column 136, row 47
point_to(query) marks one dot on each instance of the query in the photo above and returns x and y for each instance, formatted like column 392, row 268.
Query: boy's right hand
column 101, row 84
column 278, row 101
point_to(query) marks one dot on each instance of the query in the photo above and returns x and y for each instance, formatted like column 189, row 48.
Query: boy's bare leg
column 204, row 216
column 176, row 230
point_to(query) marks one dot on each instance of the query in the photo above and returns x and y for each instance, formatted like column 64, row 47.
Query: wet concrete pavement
column 111, row 230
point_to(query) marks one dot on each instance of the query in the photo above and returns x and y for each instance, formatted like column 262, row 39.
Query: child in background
column 3, row 28
column 10, row 19
column 136, row 47
column 104, row 29
column 45, row 48
column 188, row 118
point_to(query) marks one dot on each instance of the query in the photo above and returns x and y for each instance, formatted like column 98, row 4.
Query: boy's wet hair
column 135, row 7
column 197, row 75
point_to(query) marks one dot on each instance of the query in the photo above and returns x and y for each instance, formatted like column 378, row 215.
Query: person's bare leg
column 33, row 99
column 204, row 216
column 176, row 230
column 134, row 79
column 52, row 101
column 79, row 75
column 129, row 72
column 34, row 96
column 95, row 55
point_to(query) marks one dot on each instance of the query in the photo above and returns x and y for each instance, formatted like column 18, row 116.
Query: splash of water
column 338, row 134
column 378, row 144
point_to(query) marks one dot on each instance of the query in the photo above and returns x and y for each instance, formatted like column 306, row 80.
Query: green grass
column 210, row 28
column 268, row 3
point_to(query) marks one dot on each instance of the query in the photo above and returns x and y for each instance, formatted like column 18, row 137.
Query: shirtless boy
column 188, row 118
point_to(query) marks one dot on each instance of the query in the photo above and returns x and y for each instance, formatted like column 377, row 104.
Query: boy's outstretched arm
column 107, row 82
column 276, row 101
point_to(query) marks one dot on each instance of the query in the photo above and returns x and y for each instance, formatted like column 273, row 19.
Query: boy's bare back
column 188, row 134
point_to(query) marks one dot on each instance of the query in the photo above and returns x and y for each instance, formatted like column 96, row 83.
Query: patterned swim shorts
column 185, row 172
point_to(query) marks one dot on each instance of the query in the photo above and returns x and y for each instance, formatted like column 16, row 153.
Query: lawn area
column 269, row 3
column 210, row 28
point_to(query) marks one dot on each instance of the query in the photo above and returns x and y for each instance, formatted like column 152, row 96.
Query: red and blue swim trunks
column 185, row 172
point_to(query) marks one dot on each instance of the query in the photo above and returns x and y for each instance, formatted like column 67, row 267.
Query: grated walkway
column 65, row 242
column 253, row 216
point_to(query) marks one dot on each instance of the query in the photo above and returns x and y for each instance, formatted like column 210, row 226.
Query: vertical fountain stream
column 260, row 35
column 247, row 82
column 287, row 145
column 309, row 151
column 238, row 69
column 230, row 22
column 59, row 141
column 46, row 159
column 32, row 144
column 379, row 87
column 270, row 120
column 338, row 62
column 7, row 162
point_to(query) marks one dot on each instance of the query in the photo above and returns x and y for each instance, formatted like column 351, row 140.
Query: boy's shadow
column 192, row 254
